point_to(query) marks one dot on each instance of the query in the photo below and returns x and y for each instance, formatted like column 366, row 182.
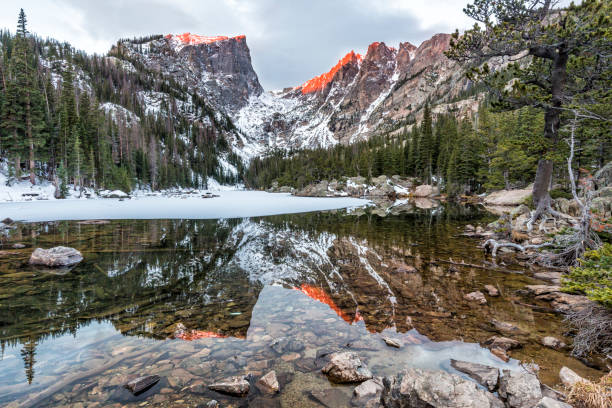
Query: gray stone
column 568, row 377
column 503, row 343
column 477, row 297
column 492, row 290
column 233, row 386
column 426, row 190
column 438, row 389
column 520, row 389
column 391, row 343
column 486, row 376
column 552, row 342
column 140, row 384
column 346, row 367
column 506, row 327
column 547, row 402
column 56, row 257
column 268, row 383
column 212, row 404
column 367, row 394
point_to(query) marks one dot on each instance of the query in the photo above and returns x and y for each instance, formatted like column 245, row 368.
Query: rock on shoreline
column 59, row 256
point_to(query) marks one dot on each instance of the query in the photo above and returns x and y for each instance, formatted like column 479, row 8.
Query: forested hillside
column 102, row 122
column 489, row 150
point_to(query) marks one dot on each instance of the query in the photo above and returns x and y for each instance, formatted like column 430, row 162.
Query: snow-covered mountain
column 360, row 96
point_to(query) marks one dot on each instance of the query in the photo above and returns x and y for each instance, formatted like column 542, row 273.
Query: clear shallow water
column 195, row 301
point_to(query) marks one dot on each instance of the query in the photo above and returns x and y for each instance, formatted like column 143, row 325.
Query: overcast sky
column 290, row 40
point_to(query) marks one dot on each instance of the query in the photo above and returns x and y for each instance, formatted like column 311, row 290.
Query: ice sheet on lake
column 230, row 204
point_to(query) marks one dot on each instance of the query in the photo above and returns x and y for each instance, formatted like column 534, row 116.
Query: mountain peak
column 319, row 83
column 195, row 39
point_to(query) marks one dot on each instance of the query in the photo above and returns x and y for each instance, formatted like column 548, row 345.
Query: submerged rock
column 391, row 343
column 233, row 386
column 56, row 257
column 520, row 389
column 268, row 383
column 367, row 394
column 346, row 367
column 438, row 389
column 486, row 376
column 506, row 327
column 140, row 384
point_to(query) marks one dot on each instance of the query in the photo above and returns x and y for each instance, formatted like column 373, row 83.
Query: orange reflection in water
column 320, row 295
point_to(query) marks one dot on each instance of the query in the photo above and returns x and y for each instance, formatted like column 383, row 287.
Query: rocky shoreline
column 383, row 187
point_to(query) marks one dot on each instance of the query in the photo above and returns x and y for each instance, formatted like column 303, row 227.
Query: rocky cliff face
column 360, row 96
column 217, row 68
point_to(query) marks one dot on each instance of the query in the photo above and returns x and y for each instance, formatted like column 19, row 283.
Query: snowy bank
column 230, row 204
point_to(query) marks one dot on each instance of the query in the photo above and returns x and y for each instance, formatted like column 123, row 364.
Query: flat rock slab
column 141, row 384
column 485, row 375
column 346, row 367
column 234, row 386
column 59, row 256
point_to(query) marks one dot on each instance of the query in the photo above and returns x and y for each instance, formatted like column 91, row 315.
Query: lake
column 199, row 300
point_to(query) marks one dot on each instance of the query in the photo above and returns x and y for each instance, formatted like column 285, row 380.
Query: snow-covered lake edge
column 229, row 204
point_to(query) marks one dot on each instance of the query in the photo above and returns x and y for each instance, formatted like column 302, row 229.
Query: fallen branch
column 522, row 248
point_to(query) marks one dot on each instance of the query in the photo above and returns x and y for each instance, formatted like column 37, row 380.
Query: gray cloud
column 290, row 41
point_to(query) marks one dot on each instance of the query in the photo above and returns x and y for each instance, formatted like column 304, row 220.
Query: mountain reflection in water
column 200, row 283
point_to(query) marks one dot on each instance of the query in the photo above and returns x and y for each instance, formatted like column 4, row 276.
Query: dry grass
column 592, row 395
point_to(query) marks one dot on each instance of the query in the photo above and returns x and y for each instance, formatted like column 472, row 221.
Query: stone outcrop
column 346, row 367
column 56, row 257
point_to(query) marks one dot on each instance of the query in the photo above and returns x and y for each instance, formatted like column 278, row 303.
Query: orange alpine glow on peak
column 194, row 39
column 318, row 83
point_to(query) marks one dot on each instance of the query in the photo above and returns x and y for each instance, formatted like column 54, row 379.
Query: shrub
column 593, row 277
column 554, row 194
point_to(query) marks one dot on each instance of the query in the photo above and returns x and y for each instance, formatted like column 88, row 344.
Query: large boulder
column 483, row 374
column 346, row 367
column 426, row 190
column 438, row 389
column 508, row 197
column 59, row 256
column 520, row 389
